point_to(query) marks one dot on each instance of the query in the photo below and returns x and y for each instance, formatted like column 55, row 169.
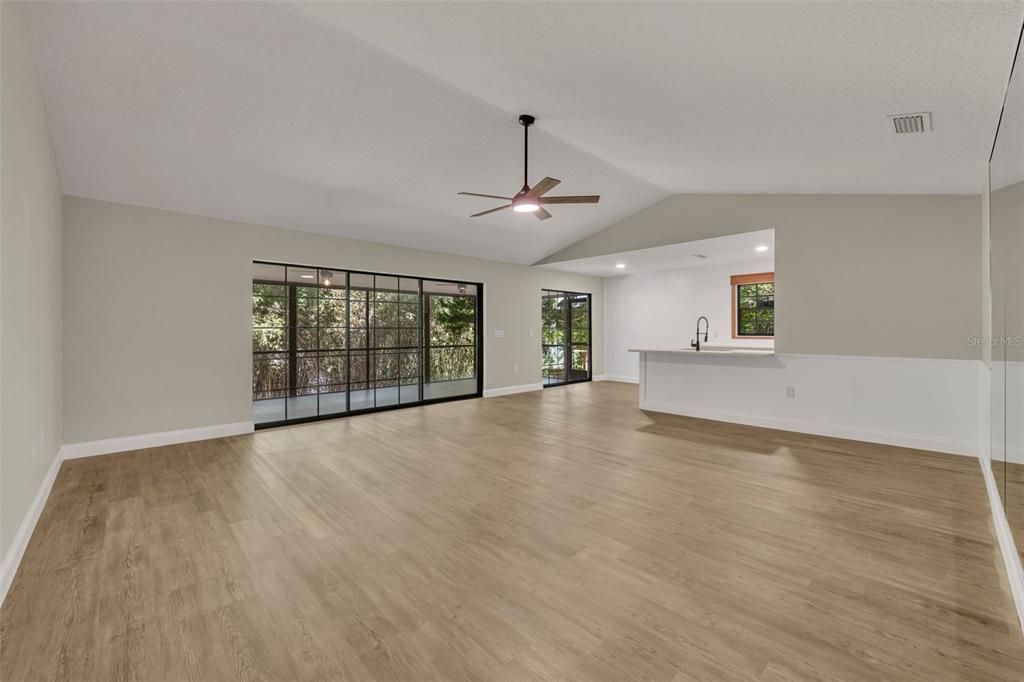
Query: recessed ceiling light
column 620, row 266
column 762, row 247
column 307, row 276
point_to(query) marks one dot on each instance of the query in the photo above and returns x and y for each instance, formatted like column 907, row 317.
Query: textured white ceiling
column 365, row 119
column 733, row 248
column 266, row 114
column 730, row 96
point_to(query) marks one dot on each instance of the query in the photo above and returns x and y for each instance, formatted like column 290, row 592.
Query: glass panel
column 410, row 365
column 747, row 322
column 360, row 281
column 386, row 367
column 326, row 341
column 306, row 338
column 269, row 375
column 332, row 308
column 332, row 339
column 359, row 367
column 385, row 338
column 409, row 291
column 409, row 315
column 332, row 371
column 553, row 364
column 386, row 396
column 457, row 362
column 410, row 392
column 302, row 276
column 565, row 337
column 266, row 411
column 409, row 338
column 259, row 289
column 332, row 401
column 269, row 339
column 302, row 406
column 552, row 318
column 1006, row 222
column 266, row 272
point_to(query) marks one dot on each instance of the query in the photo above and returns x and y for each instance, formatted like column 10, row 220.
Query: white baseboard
column 14, row 553
column 621, row 379
column 153, row 440
column 901, row 439
column 12, row 558
column 1011, row 559
column 509, row 390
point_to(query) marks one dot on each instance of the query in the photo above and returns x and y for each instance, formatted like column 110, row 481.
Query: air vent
column 911, row 123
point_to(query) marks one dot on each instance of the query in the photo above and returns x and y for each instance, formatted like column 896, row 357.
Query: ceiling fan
column 532, row 200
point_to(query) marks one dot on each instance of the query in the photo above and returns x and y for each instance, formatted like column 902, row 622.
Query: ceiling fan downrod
column 526, row 121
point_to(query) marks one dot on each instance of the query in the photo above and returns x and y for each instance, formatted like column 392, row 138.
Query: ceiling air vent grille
column 911, row 123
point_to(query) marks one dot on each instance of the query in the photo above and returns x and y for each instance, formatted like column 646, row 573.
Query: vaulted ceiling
column 365, row 119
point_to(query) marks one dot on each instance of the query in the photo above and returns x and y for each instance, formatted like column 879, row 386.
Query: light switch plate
column 499, row 333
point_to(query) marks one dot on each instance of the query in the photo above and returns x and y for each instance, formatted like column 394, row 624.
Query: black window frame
column 567, row 343
column 368, row 349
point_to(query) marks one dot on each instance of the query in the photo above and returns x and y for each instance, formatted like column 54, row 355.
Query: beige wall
column 157, row 313
column 30, row 283
column 877, row 275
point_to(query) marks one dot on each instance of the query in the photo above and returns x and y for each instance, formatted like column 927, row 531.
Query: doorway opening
column 565, row 337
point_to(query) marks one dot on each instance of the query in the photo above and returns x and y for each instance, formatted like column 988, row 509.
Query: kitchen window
column 753, row 305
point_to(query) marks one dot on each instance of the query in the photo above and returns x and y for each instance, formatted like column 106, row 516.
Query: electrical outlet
column 790, row 391
column 499, row 333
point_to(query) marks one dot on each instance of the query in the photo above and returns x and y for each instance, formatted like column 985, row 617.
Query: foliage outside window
column 452, row 337
column 754, row 305
column 385, row 339
column 565, row 337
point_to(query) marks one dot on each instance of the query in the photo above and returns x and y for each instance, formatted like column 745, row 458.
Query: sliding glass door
column 330, row 342
column 565, row 337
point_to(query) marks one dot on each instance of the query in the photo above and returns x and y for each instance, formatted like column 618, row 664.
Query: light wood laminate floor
column 555, row 535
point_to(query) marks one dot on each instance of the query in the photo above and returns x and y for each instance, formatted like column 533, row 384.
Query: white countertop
column 709, row 350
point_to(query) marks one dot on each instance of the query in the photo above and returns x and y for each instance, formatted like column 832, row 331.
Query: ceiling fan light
column 526, row 206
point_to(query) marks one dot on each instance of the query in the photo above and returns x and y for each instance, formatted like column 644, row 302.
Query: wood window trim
column 734, row 282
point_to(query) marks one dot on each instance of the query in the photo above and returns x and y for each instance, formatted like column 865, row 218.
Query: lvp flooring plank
column 557, row 535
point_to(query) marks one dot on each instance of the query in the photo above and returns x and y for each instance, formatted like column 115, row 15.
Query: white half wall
column 920, row 403
column 660, row 310
column 1007, row 423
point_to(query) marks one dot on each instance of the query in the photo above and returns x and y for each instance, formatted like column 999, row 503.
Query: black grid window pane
column 328, row 342
column 566, row 345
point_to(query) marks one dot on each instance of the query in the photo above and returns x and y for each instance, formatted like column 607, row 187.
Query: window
column 329, row 342
column 753, row 305
column 565, row 337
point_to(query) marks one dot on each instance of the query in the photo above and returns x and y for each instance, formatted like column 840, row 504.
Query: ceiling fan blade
column 486, row 196
column 588, row 199
column 544, row 186
column 500, row 208
column 541, row 214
